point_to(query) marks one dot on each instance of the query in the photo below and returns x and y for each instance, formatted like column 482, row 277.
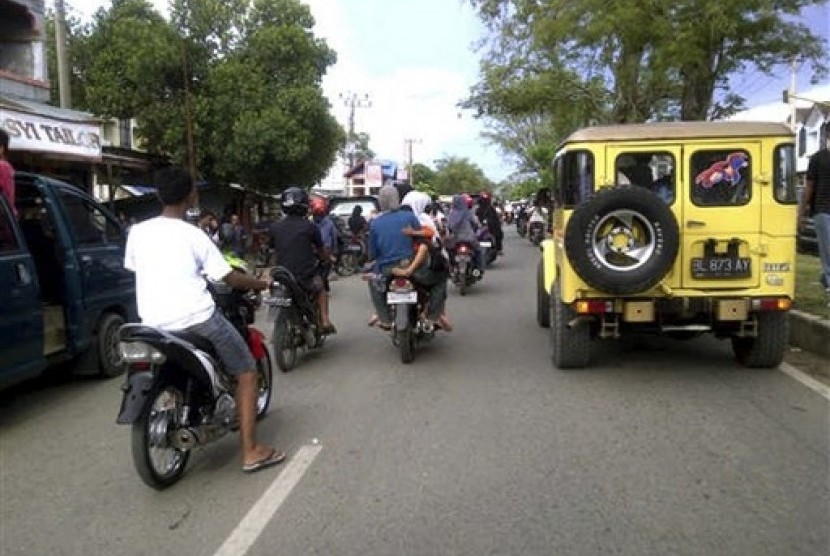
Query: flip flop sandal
column 270, row 460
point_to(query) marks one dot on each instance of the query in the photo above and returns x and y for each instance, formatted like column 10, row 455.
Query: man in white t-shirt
column 170, row 259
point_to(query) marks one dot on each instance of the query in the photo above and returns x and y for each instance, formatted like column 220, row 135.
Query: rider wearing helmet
column 298, row 246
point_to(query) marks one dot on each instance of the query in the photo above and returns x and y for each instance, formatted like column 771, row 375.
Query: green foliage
column 422, row 176
column 552, row 66
column 459, row 175
column 254, row 70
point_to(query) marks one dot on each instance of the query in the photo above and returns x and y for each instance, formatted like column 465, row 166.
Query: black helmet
column 294, row 200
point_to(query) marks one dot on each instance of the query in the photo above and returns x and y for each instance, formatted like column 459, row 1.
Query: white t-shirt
column 170, row 259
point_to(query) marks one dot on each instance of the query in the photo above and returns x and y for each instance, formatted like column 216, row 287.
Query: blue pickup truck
column 64, row 291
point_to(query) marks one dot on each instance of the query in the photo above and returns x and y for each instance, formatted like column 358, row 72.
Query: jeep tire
column 570, row 347
column 624, row 240
column 542, row 298
column 767, row 348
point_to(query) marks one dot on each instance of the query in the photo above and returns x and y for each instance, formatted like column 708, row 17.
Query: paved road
column 479, row 447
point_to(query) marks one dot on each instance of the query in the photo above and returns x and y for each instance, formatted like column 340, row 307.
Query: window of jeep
column 89, row 225
column 573, row 178
column 654, row 171
column 721, row 178
column 784, row 184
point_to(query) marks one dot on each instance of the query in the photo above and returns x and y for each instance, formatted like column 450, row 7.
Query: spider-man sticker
column 723, row 171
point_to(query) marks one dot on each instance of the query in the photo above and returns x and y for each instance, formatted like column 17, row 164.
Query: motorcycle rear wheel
column 265, row 385
column 285, row 348
column 159, row 464
column 347, row 265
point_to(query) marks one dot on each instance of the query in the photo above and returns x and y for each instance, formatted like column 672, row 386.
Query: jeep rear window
column 574, row 178
column 785, row 175
column 721, row 178
column 652, row 170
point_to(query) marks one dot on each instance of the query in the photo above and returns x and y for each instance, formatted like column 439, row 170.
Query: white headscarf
column 419, row 201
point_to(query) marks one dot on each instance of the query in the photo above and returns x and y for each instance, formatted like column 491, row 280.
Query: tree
column 459, row 175
column 577, row 62
column 422, row 175
column 254, row 71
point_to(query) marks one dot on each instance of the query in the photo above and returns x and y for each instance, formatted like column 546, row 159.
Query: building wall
column 23, row 72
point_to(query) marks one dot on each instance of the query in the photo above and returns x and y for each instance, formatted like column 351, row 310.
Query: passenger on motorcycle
column 298, row 246
column 427, row 244
column 357, row 222
column 328, row 232
column 462, row 225
column 170, row 259
column 487, row 213
column 389, row 247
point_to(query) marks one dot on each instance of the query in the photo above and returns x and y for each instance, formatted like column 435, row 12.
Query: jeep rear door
column 721, row 215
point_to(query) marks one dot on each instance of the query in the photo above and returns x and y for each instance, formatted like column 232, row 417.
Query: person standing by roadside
column 6, row 172
column 817, row 203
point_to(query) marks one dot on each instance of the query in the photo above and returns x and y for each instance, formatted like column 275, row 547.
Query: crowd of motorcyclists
column 409, row 251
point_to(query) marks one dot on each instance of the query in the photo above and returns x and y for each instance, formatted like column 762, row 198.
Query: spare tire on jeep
column 623, row 240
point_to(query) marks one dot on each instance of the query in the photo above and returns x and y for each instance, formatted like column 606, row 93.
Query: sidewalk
column 810, row 332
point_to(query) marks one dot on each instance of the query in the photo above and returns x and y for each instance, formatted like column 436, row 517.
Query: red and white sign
column 28, row 132
column 402, row 174
column 373, row 175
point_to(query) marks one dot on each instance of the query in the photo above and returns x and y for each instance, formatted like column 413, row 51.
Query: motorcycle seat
column 199, row 342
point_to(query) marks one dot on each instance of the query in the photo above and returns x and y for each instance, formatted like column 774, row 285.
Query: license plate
column 353, row 248
column 485, row 244
column 277, row 301
column 704, row 268
column 395, row 298
column 462, row 258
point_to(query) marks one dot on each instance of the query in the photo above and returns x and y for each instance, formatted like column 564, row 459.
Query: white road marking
column 806, row 380
column 252, row 525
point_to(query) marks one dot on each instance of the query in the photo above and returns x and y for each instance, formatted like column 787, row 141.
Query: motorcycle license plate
column 485, row 244
column 394, row 298
column 353, row 248
column 277, row 301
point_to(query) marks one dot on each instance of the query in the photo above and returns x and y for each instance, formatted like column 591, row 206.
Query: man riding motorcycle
column 487, row 213
column 170, row 259
column 298, row 247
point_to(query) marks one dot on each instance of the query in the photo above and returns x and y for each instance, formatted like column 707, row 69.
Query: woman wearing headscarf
column 462, row 225
column 419, row 269
column 357, row 222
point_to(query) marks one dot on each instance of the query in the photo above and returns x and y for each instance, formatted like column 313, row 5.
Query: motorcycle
column 408, row 303
column 537, row 232
column 521, row 223
column 296, row 316
column 177, row 395
column 486, row 243
column 351, row 256
column 463, row 272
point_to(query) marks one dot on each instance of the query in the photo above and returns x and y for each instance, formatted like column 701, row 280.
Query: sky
column 416, row 59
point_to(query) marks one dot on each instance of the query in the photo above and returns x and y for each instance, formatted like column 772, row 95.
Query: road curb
column 810, row 332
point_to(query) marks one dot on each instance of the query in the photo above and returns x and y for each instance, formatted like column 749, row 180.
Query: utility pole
column 793, row 112
column 188, row 115
column 409, row 142
column 353, row 100
column 64, row 91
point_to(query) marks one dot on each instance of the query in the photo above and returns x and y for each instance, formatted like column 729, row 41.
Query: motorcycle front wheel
column 157, row 461
column 285, row 349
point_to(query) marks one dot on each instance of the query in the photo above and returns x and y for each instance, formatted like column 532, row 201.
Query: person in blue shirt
column 388, row 247
column 328, row 233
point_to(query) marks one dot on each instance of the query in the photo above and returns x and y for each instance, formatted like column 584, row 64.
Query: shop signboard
column 31, row 132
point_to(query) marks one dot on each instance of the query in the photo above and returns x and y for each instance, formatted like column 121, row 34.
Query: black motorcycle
column 351, row 257
column 463, row 271
column 177, row 396
column 536, row 232
column 521, row 223
column 407, row 302
column 296, row 316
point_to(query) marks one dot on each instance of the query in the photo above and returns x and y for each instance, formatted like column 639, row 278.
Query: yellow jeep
column 675, row 228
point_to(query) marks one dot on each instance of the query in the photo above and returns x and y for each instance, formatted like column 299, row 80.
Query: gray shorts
column 230, row 346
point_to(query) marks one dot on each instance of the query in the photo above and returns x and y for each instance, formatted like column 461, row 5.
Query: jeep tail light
column 593, row 306
column 772, row 304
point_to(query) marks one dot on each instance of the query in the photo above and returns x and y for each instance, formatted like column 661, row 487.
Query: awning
column 37, row 127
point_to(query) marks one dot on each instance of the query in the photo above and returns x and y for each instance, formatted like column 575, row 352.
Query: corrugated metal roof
column 678, row 130
column 47, row 110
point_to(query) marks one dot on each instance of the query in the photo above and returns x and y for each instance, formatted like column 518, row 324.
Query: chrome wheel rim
column 624, row 240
